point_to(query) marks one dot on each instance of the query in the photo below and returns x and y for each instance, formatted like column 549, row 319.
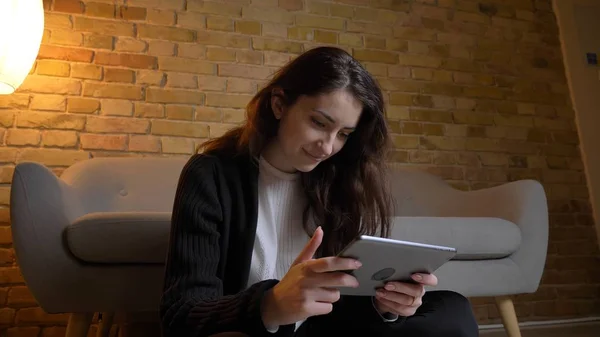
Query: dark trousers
column 442, row 314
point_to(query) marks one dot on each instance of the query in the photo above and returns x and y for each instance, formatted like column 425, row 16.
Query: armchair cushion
column 142, row 237
column 476, row 238
column 120, row 237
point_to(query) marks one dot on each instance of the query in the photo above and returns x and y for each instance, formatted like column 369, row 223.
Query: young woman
column 261, row 212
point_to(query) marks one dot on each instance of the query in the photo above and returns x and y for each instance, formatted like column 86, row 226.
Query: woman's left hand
column 403, row 299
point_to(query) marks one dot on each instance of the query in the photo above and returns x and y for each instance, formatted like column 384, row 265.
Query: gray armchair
column 94, row 239
column 501, row 234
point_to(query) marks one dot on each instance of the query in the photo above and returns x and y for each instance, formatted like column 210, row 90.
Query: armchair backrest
column 122, row 184
column 125, row 184
column 417, row 192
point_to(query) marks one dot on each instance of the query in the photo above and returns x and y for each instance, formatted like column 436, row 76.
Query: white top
column 280, row 234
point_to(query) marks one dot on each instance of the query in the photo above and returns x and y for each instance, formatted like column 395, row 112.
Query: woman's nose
column 326, row 145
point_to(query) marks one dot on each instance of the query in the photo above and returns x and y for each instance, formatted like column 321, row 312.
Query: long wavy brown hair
column 348, row 193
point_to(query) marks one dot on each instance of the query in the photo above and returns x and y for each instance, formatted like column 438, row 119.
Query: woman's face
column 312, row 130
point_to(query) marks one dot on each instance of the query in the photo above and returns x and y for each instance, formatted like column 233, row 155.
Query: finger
column 332, row 280
column 311, row 247
column 399, row 298
column 333, row 263
column 383, row 307
column 324, row 295
column 398, row 309
column 318, row 308
column 426, row 279
column 414, row 290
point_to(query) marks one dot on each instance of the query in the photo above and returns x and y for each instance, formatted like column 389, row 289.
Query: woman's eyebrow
column 331, row 119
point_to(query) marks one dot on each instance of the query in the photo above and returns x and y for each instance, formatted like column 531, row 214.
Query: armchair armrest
column 524, row 203
column 41, row 206
column 521, row 202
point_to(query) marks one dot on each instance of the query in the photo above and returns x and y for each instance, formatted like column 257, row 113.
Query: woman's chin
column 307, row 167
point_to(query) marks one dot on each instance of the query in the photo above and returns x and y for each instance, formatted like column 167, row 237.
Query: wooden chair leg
column 105, row 324
column 79, row 324
column 509, row 316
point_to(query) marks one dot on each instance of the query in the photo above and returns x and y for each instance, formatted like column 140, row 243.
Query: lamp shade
column 21, row 30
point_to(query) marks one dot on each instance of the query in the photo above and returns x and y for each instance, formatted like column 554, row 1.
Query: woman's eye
column 344, row 135
column 316, row 122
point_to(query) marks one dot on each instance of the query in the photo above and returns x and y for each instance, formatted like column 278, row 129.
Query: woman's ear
column 277, row 102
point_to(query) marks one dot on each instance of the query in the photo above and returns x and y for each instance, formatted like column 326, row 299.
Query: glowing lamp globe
column 21, row 30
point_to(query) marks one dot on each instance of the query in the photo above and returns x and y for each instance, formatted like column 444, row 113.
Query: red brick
column 53, row 157
column 98, row 41
column 166, row 33
column 126, row 60
column 248, row 27
column 10, row 275
column 168, row 18
column 46, row 120
column 116, row 107
column 20, row 297
column 102, row 90
column 177, row 145
column 29, row 331
column 103, row 142
column 51, row 85
column 180, row 129
column 180, row 112
column 224, row 39
column 116, row 125
column 100, row 10
column 7, row 256
column 22, row 137
column 244, row 71
column 7, row 316
column 156, row 95
column 220, row 8
column 375, row 56
column 144, row 144
column 219, row 23
column 68, row 6
column 4, row 219
column 161, row 4
column 291, row 5
column 65, row 53
column 227, row 100
column 103, row 27
column 62, row 139
column 180, row 64
column 119, row 75
column 38, row 316
column 58, row 331
column 53, row 68
column 131, row 13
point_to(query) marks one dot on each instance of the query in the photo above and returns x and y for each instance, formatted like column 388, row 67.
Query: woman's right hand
column 308, row 288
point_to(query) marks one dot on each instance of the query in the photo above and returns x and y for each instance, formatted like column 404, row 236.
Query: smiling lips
column 315, row 158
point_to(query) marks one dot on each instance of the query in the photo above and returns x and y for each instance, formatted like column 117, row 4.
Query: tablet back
column 385, row 260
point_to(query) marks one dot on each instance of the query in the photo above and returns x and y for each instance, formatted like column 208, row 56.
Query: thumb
column 311, row 247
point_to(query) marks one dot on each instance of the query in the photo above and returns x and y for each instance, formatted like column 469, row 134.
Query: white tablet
column 385, row 260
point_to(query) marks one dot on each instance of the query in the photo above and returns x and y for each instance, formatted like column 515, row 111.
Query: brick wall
column 476, row 93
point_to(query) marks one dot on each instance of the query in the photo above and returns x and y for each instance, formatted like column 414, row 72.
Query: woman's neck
column 273, row 154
